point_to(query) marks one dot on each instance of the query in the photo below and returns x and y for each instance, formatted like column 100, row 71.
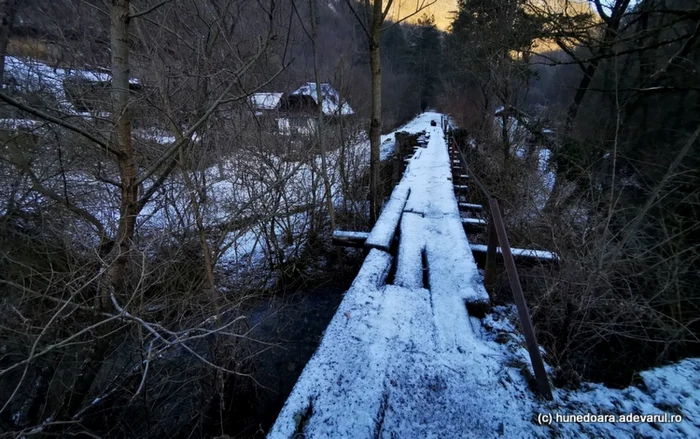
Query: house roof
column 511, row 111
column 331, row 98
column 265, row 101
column 33, row 75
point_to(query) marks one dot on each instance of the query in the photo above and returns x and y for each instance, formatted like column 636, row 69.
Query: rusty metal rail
column 499, row 238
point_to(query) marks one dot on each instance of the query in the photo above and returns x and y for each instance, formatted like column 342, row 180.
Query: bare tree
column 372, row 25
column 99, row 299
column 8, row 11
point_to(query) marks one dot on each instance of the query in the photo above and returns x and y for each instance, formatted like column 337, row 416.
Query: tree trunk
column 375, row 127
column 8, row 10
column 116, row 273
column 505, row 137
column 611, row 25
column 319, row 124
column 122, row 140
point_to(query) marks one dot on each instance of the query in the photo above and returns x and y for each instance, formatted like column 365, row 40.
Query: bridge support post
column 490, row 266
column 525, row 323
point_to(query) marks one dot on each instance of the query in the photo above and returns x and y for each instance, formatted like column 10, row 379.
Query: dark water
column 287, row 330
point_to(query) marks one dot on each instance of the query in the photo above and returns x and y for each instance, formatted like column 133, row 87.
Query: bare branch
column 188, row 135
column 137, row 14
column 357, row 17
column 45, row 116
column 401, row 20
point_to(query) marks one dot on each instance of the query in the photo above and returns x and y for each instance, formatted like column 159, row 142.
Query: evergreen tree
column 426, row 60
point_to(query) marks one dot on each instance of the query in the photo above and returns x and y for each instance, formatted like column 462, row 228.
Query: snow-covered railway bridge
column 405, row 354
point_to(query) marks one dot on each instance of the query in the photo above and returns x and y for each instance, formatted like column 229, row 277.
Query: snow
column 414, row 126
column 331, row 99
column 668, row 390
column 402, row 359
column 471, row 206
column 407, row 359
column 265, row 101
column 155, row 135
column 547, row 174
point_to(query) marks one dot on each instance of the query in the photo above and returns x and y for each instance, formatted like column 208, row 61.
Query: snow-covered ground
column 32, row 75
column 407, row 359
column 542, row 182
column 665, row 392
column 243, row 187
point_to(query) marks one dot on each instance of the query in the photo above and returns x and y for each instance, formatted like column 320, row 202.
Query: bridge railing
column 497, row 237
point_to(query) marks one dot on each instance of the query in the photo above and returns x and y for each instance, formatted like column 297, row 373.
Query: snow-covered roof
column 33, row 75
column 331, row 98
column 511, row 112
column 18, row 124
column 265, row 101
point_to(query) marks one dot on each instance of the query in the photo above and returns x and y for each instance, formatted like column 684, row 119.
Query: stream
column 287, row 329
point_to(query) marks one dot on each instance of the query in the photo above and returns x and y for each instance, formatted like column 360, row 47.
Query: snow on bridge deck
column 407, row 359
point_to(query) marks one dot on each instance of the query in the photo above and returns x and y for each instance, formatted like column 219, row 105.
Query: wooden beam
column 345, row 238
column 473, row 225
column 470, row 207
column 521, row 254
column 524, row 313
column 490, row 264
column 384, row 230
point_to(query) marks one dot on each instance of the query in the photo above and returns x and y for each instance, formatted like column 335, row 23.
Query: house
column 305, row 100
column 264, row 103
column 266, row 107
column 525, row 133
column 296, row 113
column 76, row 91
column 511, row 112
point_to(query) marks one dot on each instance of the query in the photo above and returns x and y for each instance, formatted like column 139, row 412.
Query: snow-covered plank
column 520, row 252
column 374, row 271
column 450, row 263
column 409, row 261
column 384, row 230
column 474, row 221
column 349, row 238
column 473, row 225
column 408, row 360
column 343, row 375
column 350, row 234
column 343, row 390
column 470, row 206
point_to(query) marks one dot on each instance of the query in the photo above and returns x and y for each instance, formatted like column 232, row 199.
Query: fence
column 497, row 237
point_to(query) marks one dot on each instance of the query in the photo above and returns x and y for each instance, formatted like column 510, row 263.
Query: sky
column 441, row 9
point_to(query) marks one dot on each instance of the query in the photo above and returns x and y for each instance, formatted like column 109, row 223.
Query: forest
column 171, row 173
